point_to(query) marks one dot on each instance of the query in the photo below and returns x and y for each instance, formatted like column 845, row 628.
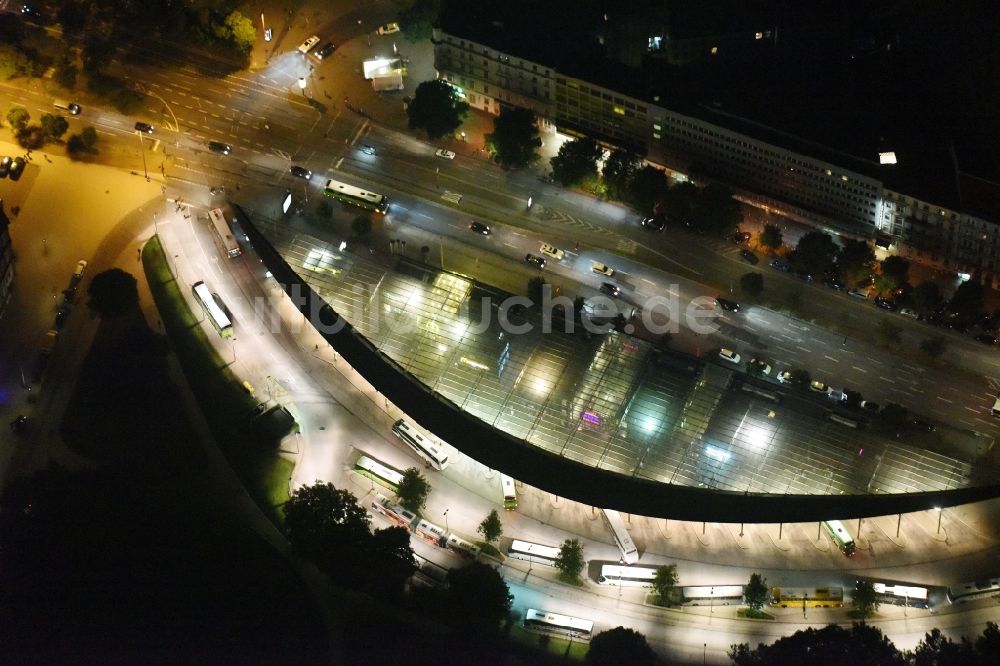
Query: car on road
column 219, row 147
column 784, row 377
column 781, row 265
column 741, row 237
column 610, row 289
column 534, row 260
column 986, row 338
column 727, row 304
column 602, row 269
column 885, row 304
column 5, row 163
column 145, row 128
column 61, row 316
column 656, row 224
column 368, row 149
column 729, row 355
column 805, row 276
column 301, row 172
column 390, row 28
column 480, row 228
column 922, row 425
column 81, row 267
column 869, row 406
column 307, row 45
column 833, row 283
column 907, row 312
column 852, row 398
column 819, row 387
column 762, row 366
column 551, row 251
column 73, row 108
column 836, row 394
column 325, row 51
column 858, row 293
column 444, row 154
column 16, row 168
column 749, row 257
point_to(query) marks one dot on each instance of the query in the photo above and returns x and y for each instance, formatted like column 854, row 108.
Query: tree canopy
column 321, row 515
column 416, row 19
column 491, row 528
column 967, row 299
column 436, row 109
column 926, row 296
column 620, row 646
column 112, row 293
column 618, row 171
column 514, row 140
column 478, row 598
column 814, row 253
column 664, row 583
column 831, row 645
column 576, row 161
column 855, row 256
column 756, row 593
column 413, row 490
column 570, row 561
column 865, row 599
column 648, row 186
column 770, row 237
column 716, row 211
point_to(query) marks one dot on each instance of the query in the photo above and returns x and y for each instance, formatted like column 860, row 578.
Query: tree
column 664, row 583
column 89, row 137
column 241, row 31
column 620, row 646
column 389, row 561
column 31, row 137
column 478, row 599
column 514, row 139
column 619, row 169
column 967, row 299
column 896, row 269
column 112, row 293
column 436, row 109
column 752, row 284
column 491, row 528
column 54, row 126
column 413, row 490
column 75, row 145
column 320, row 516
column 889, row 333
column 65, row 74
column 417, row 19
column 855, row 256
column 936, row 649
column 570, row 562
column 576, row 161
column 324, row 211
column 18, row 117
column 770, row 237
column 865, row 599
column 756, row 593
column 814, row 253
column 717, row 212
column 361, row 226
column 648, row 186
column 13, row 62
column 680, row 202
column 98, row 51
column 926, row 296
column 934, row 346
column 833, row 644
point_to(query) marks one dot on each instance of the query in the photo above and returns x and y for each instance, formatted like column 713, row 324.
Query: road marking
column 859, row 369
column 803, row 349
column 946, row 400
column 830, row 358
column 453, row 197
column 972, row 409
column 886, row 379
column 337, row 165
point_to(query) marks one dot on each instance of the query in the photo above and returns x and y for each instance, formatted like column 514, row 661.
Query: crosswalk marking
column 453, row 197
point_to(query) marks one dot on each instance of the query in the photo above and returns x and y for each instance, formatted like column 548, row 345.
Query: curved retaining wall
column 564, row 477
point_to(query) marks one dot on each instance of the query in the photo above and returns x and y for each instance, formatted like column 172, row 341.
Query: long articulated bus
column 394, row 512
column 978, row 589
column 431, row 533
column 840, row 536
column 533, row 552
column 356, row 196
column 901, row 595
column 224, row 233
column 613, row 574
column 461, row 547
column 509, row 493
column 379, row 472
column 712, row 595
column 630, row 554
column 813, row 597
column 540, row 620
column 430, row 450
column 214, row 309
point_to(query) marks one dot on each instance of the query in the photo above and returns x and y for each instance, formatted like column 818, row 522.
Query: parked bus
column 509, row 494
column 356, row 196
column 214, row 309
column 613, row 574
column 540, row 620
column 224, row 233
column 533, row 552
column 840, row 536
column 630, row 554
column 379, row 472
column 712, row 595
column 394, row 512
column 461, row 547
column 980, row 589
column 901, row 595
column 430, row 450
column 813, row 597
column 429, row 532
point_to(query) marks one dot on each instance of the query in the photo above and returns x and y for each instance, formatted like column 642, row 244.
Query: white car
column 729, row 355
column 819, row 387
column 907, row 312
column 785, row 377
column 81, row 266
column 388, row 28
column 444, row 154
column 307, row 45
column 603, row 269
column 763, row 366
column 552, row 252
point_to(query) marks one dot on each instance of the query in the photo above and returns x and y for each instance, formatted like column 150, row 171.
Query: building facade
column 6, row 262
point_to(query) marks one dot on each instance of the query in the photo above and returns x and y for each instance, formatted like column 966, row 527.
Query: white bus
column 630, row 554
column 394, row 512
column 840, row 536
column 613, row 574
column 224, row 233
column 979, row 589
column 356, row 196
column 540, row 620
column 712, row 595
column 429, row 449
column 901, row 595
column 214, row 310
column 429, row 532
column 379, row 472
column 509, row 494
column 533, row 552
column 461, row 547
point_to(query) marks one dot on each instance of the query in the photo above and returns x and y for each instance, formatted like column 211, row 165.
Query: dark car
column 986, row 338
column 610, row 289
column 61, row 316
column 781, row 265
column 145, row 128
column 741, row 237
column 480, row 228
column 301, row 172
column 869, row 406
column 368, row 149
column 885, row 303
column 219, row 147
column 19, row 424
column 17, row 168
column 749, row 257
column 833, row 283
column 534, row 260
column 922, row 425
column 5, row 163
column 653, row 223
column 805, row 276
column 325, row 50
column 852, row 398
column 727, row 304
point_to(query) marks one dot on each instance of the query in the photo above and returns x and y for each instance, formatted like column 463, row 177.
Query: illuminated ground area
column 606, row 402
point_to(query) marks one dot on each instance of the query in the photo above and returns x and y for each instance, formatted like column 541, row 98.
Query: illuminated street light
column 940, row 513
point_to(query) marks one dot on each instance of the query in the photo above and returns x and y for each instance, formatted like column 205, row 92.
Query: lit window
column 656, row 135
column 620, row 110
column 656, row 126
column 715, row 50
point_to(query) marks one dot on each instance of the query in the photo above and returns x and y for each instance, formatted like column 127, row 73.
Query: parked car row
column 11, row 167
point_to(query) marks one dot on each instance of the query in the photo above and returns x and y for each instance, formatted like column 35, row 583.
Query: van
column 71, row 107
column 996, row 406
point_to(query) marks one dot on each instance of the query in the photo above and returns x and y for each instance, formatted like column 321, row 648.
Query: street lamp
column 447, row 529
column 940, row 513
column 142, row 151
